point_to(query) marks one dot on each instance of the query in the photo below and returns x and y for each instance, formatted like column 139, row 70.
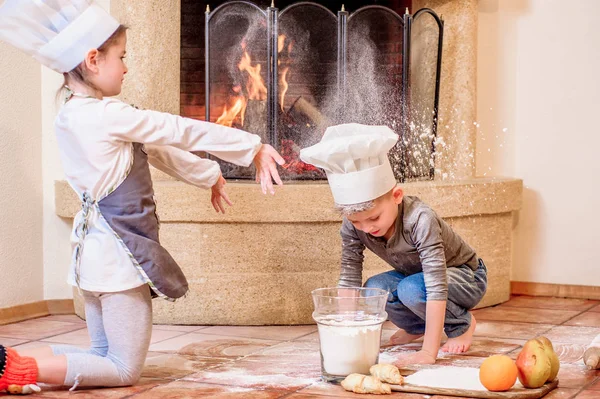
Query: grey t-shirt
column 422, row 242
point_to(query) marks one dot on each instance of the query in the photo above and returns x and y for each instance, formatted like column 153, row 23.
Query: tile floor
column 283, row 362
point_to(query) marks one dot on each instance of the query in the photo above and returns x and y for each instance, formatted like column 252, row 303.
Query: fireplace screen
column 286, row 75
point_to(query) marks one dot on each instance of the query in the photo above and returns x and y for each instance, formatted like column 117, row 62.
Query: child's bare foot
column 461, row 343
column 401, row 337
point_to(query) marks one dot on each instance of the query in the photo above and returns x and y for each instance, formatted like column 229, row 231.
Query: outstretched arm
column 183, row 165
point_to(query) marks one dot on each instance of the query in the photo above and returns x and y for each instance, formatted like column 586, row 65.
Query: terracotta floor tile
column 485, row 347
column 11, row 341
column 77, row 338
column 196, row 344
column 460, row 360
column 587, row 319
column 293, row 349
column 575, row 375
column 102, row 393
column 260, row 375
column 587, row 395
column 499, row 329
column 562, row 393
column 569, row 353
column 188, row 390
column 280, row 333
column 38, row 344
column 37, row 329
column 572, row 334
column 595, row 386
column 82, row 338
column 544, row 302
column 171, row 366
column 525, row 315
column 314, row 337
column 178, row 328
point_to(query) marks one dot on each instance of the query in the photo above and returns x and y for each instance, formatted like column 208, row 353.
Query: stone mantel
column 310, row 202
column 257, row 264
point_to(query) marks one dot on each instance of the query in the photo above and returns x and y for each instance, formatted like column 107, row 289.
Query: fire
column 255, row 84
column 236, row 105
column 284, row 68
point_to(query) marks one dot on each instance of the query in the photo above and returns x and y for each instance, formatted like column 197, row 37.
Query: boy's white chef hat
column 354, row 156
column 57, row 33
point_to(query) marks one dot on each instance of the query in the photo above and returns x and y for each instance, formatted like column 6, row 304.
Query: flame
column 283, row 84
column 236, row 105
column 255, row 84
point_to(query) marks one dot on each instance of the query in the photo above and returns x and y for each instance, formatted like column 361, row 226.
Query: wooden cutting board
column 514, row 393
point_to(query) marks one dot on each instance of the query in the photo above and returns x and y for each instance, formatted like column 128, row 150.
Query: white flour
column 447, row 377
column 349, row 346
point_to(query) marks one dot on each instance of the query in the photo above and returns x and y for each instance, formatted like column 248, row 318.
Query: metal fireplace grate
column 312, row 68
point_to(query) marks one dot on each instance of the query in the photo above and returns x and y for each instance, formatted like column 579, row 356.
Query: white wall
column 20, row 179
column 538, row 63
column 57, row 248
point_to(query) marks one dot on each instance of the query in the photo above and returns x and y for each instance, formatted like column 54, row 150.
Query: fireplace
column 287, row 74
column 258, row 263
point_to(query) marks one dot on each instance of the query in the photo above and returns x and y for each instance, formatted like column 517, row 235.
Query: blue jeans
column 407, row 298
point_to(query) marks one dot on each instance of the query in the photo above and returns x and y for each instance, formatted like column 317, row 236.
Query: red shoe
column 18, row 374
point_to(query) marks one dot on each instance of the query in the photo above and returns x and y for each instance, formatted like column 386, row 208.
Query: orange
column 498, row 373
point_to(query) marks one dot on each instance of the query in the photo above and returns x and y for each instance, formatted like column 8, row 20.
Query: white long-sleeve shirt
column 95, row 140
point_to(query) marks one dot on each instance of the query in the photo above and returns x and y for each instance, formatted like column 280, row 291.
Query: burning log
column 303, row 112
column 255, row 119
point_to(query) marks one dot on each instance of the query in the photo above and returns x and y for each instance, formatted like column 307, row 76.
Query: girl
column 106, row 146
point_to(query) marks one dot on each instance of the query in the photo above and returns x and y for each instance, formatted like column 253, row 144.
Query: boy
column 436, row 276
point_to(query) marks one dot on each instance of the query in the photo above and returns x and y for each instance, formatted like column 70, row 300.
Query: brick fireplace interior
column 307, row 48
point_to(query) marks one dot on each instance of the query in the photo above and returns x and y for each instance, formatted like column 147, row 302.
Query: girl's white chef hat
column 57, row 33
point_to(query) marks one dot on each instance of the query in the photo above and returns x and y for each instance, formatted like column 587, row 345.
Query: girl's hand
column 266, row 170
column 218, row 193
column 420, row 357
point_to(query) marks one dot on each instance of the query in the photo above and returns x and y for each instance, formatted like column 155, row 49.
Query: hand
column 218, row 193
column 420, row 357
column 266, row 170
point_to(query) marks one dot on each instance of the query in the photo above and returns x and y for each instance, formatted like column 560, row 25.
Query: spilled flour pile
column 447, row 377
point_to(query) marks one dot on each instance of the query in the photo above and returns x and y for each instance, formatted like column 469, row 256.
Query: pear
column 554, row 362
column 533, row 364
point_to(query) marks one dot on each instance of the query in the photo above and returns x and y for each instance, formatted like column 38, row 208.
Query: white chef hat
column 57, row 33
column 354, row 156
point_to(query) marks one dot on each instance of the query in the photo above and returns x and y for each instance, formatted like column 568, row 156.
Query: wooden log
column 255, row 119
column 304, row 112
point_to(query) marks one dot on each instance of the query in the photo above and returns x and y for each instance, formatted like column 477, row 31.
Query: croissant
column 359, row 383
column 387, row 373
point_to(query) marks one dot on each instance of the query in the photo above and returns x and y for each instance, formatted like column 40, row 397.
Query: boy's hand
column 420, row 357
column 266, row 169
column 218, row 193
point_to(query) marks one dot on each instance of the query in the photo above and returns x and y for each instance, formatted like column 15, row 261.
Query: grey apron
column 130, row 211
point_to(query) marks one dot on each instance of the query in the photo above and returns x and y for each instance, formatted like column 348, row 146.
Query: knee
column 130, row 377
column 411, row 292
column 378, row 281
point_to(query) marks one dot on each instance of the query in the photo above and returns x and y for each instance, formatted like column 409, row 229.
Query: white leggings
column 120, row 327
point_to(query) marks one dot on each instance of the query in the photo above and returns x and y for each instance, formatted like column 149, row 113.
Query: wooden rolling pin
column 591, row 356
